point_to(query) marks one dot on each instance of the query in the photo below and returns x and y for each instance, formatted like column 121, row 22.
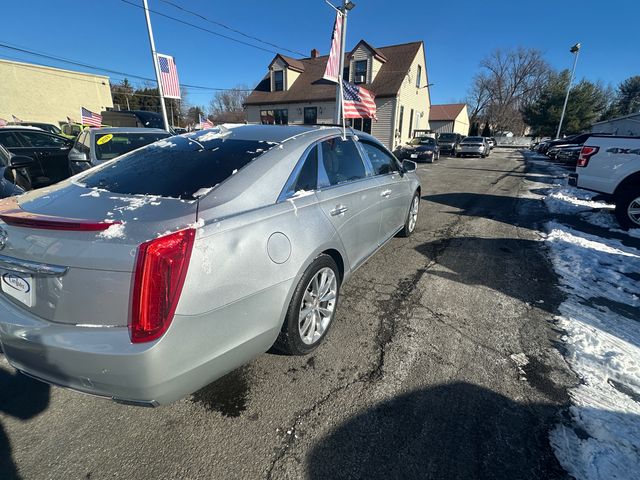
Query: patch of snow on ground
column 570, row 200
column 114, row 231
column 601, row 320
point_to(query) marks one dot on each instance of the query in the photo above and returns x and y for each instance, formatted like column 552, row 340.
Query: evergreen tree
column 486, row 131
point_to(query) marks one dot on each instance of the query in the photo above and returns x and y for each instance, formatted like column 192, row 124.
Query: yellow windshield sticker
column 104, row 139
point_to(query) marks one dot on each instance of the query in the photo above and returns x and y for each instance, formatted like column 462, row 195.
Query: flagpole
column 155, row 65
column 343, row 10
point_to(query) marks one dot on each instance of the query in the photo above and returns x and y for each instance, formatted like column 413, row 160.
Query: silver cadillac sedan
column 148, row 277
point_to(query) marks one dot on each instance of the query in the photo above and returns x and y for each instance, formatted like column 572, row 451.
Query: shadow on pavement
column 23, row 398
column 514, row 267
column 453, row 431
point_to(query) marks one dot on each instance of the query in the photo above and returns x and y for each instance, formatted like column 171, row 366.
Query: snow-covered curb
column 601, row 279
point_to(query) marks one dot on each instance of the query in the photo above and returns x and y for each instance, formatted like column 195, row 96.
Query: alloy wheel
column 318, row 305
column 633, row 211
column 413, row 213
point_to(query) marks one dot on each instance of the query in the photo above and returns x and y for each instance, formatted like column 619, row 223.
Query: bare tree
column 509, row 80
column 228, row 105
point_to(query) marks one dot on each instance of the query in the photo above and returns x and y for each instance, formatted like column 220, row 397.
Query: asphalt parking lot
column 421, row 376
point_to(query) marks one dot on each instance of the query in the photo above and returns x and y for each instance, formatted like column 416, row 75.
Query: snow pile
column 136, row 202
column 570, row 200
column 115, row 230
column 164, row 143
column 302, row 193
column 600, row 318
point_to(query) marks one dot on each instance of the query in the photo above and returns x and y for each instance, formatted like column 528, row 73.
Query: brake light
column 585, row 154
column 161, row 268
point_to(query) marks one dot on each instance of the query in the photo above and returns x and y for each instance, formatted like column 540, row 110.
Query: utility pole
column 346, row 6
column 575, row 50
column 155, row 65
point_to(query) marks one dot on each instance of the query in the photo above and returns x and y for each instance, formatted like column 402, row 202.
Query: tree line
column 518, row 91
column 225, row 105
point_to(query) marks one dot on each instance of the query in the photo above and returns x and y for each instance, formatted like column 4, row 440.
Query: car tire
column 412, row 217
column 628, row 199
column 300, row 336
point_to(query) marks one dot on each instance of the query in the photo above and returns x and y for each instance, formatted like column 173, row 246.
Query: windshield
column 447, row 137
column 176, row 167
column 423, row 141
column 150, row 119
column 112, row 145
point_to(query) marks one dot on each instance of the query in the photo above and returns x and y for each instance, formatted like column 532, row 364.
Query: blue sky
column 112, row 34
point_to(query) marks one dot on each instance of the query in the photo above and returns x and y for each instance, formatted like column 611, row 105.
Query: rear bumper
column 102, row 361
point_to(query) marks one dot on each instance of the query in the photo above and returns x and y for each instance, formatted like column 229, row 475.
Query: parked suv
column 448, row 142
column 611, row 165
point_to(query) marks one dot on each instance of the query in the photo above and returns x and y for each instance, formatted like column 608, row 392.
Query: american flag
column 16, row 119
column 332, row 72
column 205, row 122
column 358, row 102
column 169, row 76
column 87, row 117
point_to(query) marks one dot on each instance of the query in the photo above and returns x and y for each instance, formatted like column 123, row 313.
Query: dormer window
column 278, row 80
column 360, row 71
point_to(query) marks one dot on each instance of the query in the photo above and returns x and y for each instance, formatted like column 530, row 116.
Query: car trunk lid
column 69, row 252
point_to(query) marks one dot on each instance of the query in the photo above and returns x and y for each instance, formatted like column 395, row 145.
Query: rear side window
column 342, row 161
column 9, row 140
column 308, row 177
column 175, row 167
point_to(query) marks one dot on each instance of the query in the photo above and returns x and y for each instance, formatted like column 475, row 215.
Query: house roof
column 615, row 119
column 310, row 86
column 447, row 111
column 376, row 52
column 292, row 63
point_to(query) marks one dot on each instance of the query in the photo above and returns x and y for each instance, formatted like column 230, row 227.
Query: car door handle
column 386, row 193
column 339, row 210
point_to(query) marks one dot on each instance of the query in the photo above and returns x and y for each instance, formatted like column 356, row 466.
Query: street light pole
column 155, row 65
column 575, row 50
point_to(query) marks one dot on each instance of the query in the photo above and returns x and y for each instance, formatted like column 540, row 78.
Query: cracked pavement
column 415, row 379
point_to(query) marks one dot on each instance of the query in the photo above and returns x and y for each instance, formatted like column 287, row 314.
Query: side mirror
column 20, row 161
column 409, row 166
column 77, row 156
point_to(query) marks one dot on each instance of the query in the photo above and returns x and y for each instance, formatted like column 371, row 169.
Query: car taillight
column 161, row 269
column 585, row 154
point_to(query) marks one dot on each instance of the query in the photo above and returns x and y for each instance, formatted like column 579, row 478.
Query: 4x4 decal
column 629, row 151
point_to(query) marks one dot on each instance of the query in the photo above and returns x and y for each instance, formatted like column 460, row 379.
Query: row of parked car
column 32, row 158
column 563, row 150
column 606, row 164
column 428, row 148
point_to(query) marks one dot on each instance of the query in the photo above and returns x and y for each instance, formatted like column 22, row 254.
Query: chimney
column 315, row 53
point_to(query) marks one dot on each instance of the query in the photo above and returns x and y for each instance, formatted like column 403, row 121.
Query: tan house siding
column 381, row 128
column 462, row 122
column 44, row 94
column 414, row 98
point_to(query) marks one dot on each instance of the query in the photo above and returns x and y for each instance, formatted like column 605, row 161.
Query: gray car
column 97, row 145
column 473, row 146
column 150, row 276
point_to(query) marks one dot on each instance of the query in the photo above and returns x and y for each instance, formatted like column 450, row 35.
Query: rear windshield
column 423, row 141
column 112, row 145
column 447, row 136
column 472, row 140
column 175, row 167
